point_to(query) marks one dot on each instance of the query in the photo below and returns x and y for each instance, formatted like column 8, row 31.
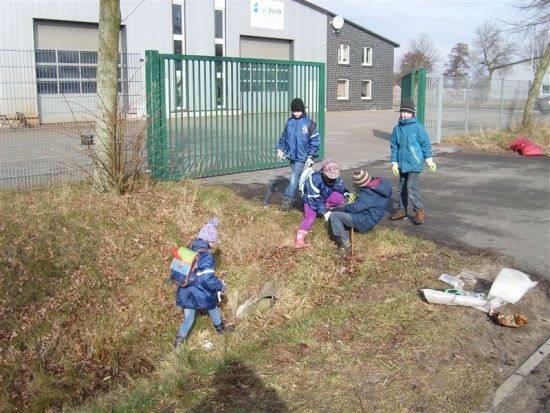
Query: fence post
column 467, row 107
column 155, row 116
column 501, row 108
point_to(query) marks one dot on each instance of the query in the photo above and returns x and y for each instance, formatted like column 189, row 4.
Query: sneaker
column 345, row 249
column 399, row 215
column 286, row 205
column 179, row 342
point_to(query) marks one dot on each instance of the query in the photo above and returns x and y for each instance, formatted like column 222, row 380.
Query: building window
column 67, row 72
column 219, row 49
column 258, row 77
column 177, row 14
column 343, row 54
column 367, row 56
column 366, row 87
column 343, row 89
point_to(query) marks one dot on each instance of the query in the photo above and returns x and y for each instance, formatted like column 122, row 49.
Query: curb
column 517, row 377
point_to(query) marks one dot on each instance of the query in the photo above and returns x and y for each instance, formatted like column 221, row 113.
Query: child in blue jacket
column 362, row 214
column 321, row 191
column 410, row 147
column 299, row 143
column 203, row 293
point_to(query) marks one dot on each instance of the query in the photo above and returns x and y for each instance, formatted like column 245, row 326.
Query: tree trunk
column 106, row 159
column 527, row 121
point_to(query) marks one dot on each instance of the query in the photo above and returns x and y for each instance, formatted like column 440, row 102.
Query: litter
column 509, row 286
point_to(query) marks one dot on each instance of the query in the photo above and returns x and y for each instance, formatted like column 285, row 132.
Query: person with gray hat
column 321, row 191
column 362, row 214
column 299, row 143
column 410, row 148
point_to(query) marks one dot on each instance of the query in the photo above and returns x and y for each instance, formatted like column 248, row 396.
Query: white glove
column 327, row 215
column 280, row 155
column 309, row 162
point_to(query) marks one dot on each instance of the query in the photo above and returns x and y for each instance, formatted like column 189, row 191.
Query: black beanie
column 297, row 105
column 408, row 105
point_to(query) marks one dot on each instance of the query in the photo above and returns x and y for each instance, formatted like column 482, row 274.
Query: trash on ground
column 525, row 147
column 261, row 302
column 208, row 345
column 516, row 320
column 509, row 286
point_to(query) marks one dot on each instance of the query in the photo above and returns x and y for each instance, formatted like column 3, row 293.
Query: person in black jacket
column 362, row 214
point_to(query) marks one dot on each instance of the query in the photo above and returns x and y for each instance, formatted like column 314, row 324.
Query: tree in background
column 458, row 64
column 420, row 54
column 109, row 169
column 535, row 24
column 491, row 52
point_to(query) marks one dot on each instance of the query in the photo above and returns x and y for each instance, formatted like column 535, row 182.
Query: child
column 364, row 213
column 410, row 146
column 300, row 144
column 203, row 293
column 322, row 190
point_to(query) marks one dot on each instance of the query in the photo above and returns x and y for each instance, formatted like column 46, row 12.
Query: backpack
column 306, row 174
column 183, row 266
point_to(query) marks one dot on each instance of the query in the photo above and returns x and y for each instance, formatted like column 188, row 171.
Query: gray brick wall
column 380, row 73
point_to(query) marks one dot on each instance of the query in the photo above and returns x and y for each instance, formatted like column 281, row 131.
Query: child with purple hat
column 321, row 191
column 203, row 293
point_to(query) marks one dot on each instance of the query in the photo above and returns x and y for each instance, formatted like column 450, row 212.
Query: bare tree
column 109, row 170
column 420, row 54
column 492, row 52
column 534, row 24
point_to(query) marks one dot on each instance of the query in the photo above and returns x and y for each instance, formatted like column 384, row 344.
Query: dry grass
column 87, row 319
column 496, row 141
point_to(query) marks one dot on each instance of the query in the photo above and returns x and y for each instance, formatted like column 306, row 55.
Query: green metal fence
column 214, row 115
column 413, row 85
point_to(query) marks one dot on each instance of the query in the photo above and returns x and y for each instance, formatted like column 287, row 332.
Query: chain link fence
column 48, row 113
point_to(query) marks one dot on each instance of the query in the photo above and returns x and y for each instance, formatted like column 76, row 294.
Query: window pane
column 366, row 89
column 89, row 72
column 89, row 87
column 67, row 56
column 69, row 87
column 219, row 50
column 69, row 72
column 176, row 18
column 219, row 23
column 46, row 72
column 45, row 56
column 46, row 88
column 178, row 47
column 342, row 89
column 88, row 58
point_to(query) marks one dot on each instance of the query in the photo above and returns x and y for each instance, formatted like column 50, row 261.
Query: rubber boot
column 300, row 239
column 286, row 205
column 345, row 248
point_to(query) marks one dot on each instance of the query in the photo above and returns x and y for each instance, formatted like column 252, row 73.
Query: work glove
column 431, row 164
column 327, row 215
column 395, row 168
column 350, row 199
column 309, row 162
column 280, row 155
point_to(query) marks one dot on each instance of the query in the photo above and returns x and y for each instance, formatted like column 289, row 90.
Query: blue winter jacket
column 295, row 141
column 370, row 205
column 203, row 293
column 316, row 191
column 410, row 145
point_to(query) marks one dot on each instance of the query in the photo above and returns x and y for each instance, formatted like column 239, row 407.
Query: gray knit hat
column 209, row 232
column 361, row 178
column 408, row 105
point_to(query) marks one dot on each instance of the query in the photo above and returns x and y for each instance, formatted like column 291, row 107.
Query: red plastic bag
column 519, row 143
column 531, row 150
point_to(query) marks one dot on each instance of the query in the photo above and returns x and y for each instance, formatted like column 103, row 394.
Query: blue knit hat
column 209, row 232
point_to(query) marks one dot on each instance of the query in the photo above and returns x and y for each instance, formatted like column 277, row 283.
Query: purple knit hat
column 209, row 232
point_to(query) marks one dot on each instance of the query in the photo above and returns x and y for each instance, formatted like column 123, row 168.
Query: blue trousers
column 189, row 319
column 408, row 189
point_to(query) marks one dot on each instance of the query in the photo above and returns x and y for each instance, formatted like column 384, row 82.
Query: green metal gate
column 216, row 115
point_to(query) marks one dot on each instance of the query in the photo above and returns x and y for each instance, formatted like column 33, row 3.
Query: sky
column 444, row 22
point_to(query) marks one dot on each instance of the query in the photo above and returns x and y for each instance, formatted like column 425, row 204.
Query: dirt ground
column 507, row 348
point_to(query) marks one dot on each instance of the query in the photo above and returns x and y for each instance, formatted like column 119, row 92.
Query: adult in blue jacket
column 299, row 143
column 410, row 147
column 202, row 294
column 362, row 214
